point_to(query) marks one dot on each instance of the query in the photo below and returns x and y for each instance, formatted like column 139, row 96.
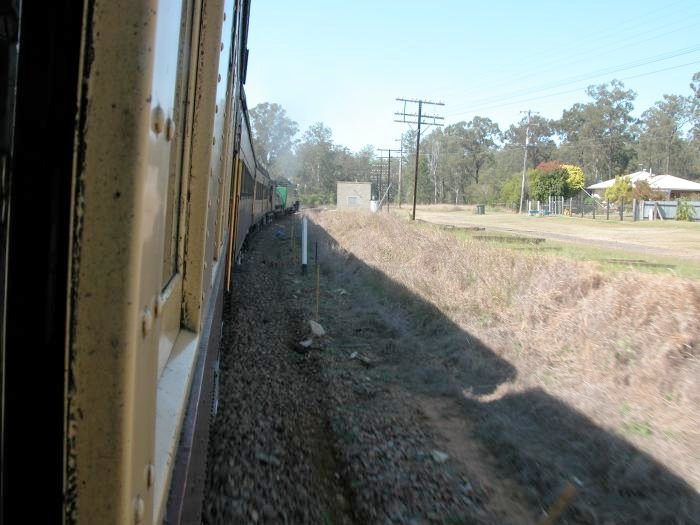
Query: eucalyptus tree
column 598, row 135
column 695, row 107
column 434, row 149
column 661, row 140
column 273, row 133
column 480, row 141
column 541, row 145
column 456, row 166
column 613, row 108
column 316, row 163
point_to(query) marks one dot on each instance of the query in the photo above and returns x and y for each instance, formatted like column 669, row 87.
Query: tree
column 510, row 191
column 456, row 168
column 555, row 179
column 479, row 142
column 598, row 135
column 273, row 133
column 541, row 145
column 661, row 132
column 317, row 169
column 433, row 164
column 695, row 105
column 621, row 189
column 581, row 137
column 614, row 107
column 575, row 179
column 644, row 192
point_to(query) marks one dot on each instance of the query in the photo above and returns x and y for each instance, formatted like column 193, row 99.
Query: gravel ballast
column 312, row 434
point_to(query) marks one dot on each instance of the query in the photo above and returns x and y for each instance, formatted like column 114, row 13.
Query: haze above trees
column 477, row 161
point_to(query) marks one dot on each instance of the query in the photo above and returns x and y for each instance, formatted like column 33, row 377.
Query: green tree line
column 476, row 161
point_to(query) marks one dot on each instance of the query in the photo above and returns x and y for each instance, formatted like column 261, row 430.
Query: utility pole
column 421, row 119
column 400, row 141
column 527, row 144
column 388, row 177
column 375, row 175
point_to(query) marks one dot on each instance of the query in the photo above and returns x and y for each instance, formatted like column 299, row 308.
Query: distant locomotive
column 286, row 197
column 125, row 137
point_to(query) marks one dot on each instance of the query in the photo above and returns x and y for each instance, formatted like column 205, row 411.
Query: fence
column 662, row 209
column 593, row 208
column 583, row 207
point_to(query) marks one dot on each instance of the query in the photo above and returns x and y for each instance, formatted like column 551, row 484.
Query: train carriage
column 126, row 135
column 245, row 177
column 263, row 197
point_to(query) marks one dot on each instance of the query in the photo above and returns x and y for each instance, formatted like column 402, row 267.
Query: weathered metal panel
column 113, row 363
column 198, row 268
column 667, row 209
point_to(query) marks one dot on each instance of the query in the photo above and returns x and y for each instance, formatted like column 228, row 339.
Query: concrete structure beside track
column 353, row 195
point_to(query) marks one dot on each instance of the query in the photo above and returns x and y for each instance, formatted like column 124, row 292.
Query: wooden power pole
column 428, row 120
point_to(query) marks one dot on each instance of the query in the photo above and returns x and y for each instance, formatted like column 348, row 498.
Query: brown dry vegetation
column 623, row 348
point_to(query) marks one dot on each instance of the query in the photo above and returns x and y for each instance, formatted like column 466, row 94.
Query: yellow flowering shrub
column 576, row 178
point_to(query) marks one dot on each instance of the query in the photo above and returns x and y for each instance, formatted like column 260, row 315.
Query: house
column 674, row 187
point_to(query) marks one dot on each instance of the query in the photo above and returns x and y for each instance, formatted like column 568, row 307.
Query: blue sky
column 344, row 62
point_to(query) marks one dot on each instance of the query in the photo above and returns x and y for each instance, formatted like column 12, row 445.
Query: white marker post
column 304, row 238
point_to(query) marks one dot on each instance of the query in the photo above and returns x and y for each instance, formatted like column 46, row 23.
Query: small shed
column 353, row 195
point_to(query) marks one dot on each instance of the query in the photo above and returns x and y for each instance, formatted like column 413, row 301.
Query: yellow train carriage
column 123, row 141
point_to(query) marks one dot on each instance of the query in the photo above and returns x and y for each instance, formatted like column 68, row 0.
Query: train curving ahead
column 286, row 197
column 129, row 184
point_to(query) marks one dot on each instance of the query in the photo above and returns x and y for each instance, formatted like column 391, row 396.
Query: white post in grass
column 304, row 238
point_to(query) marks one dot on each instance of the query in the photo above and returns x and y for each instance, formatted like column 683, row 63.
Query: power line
column 419, row 121
column 592, row 48
column 508, row 101
column 587, row 76
column 527, row 144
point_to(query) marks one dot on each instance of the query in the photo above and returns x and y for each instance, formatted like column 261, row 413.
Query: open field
column 532, row 372
column 672, row 239
column 607, row 259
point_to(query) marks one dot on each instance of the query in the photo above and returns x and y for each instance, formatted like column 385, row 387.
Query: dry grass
column 622, row 348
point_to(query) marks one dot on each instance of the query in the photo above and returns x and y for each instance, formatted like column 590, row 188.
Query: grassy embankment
column 620, row 347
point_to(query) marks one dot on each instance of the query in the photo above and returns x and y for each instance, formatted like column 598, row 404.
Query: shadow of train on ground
column 537, row 444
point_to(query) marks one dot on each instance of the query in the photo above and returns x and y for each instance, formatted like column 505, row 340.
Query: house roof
column 657, row 182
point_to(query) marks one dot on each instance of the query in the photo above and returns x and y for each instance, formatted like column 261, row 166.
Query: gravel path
column 313, row 436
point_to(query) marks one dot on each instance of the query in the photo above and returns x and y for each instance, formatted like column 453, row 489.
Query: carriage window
column 173, row 131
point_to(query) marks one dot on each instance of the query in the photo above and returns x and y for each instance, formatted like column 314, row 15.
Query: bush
column 315, row 199
column 510, row 191
column 555, row 179
column 576, row 179
column 544, row 184
column 685, row 211
column 621, row 189
column 644, row 192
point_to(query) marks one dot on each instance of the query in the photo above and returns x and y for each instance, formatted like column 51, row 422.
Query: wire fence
column 592, row 208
